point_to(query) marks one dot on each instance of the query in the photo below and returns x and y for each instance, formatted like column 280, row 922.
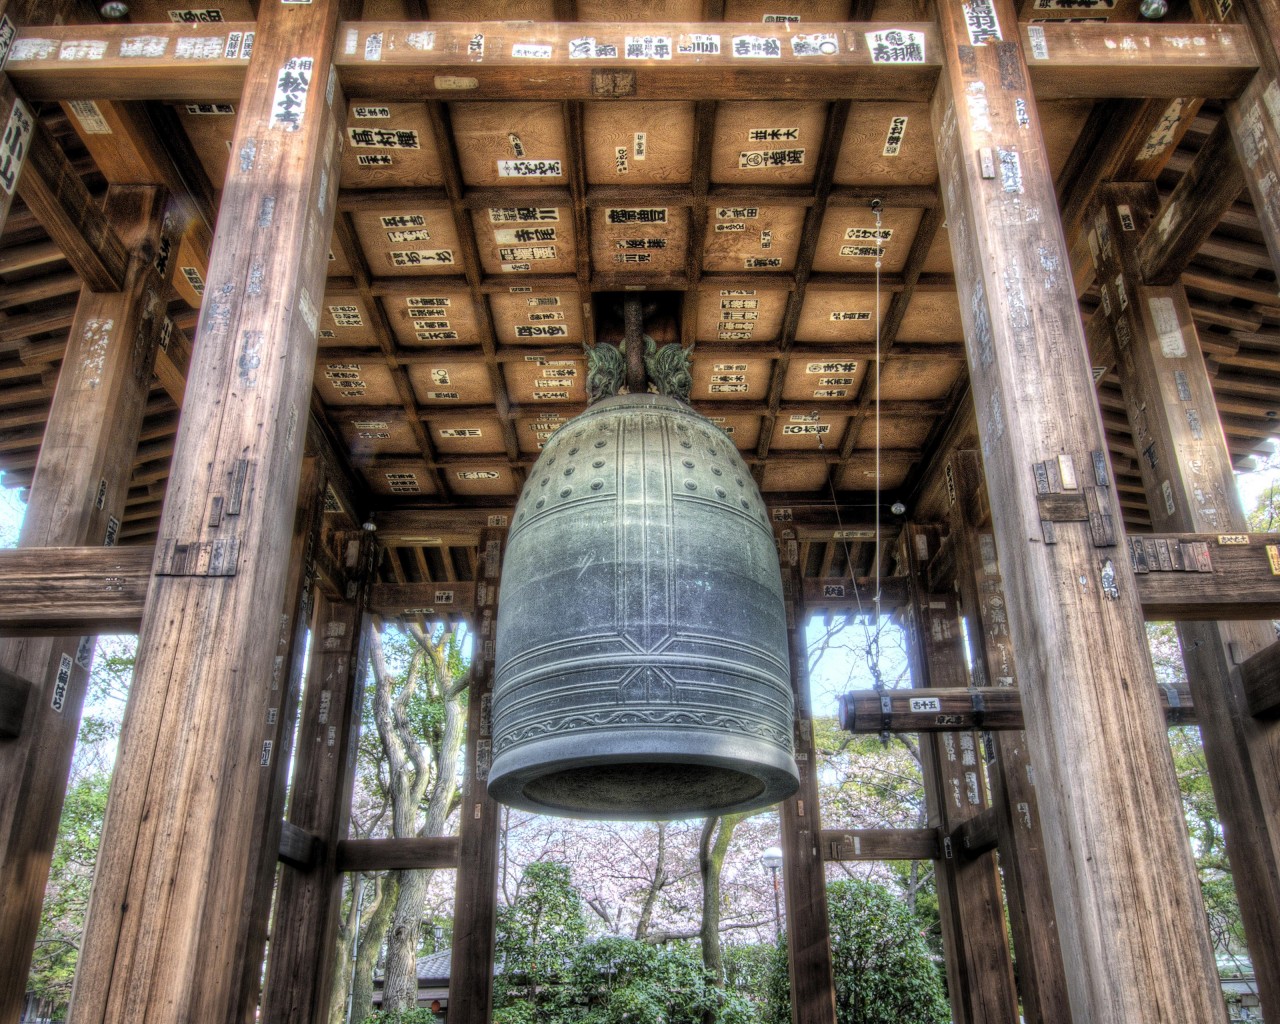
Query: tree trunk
column 376, row 921
column 711, row 851
column 400, row 989
column 659, row 880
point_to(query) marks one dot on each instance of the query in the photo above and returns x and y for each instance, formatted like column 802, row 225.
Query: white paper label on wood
column 202, row 47
column 925, row 704
column 90, row 117
column 585, row 47
column 523, row 214
column 850, row 367
column 818, row 44
column 7, row 33
column 1164, row 317
column 402, row 483
column 61, row 681
column 89, row 49
column 737, row 212
column 893, row 140
column 536, row 51
column 699, row 44
column 367, row 112
column 373, row 46
column 456, row 432
column 754, row 47
column 728, row 389
column 1039, row 45
column 981, row 21
column 850, row 314
column 896, row 46
column 33, row 49
column 420, row 257
column 292, row 84
column 144, row 46
column 14, row 144
column 516, row 236
column 210, row 109
column 860, row 251
column 529, row 169
column 541, row 331
column 655, row 215
column 792, row 429
column 762, row 263
column 648, row 47
column 758, row 158
column 383, row 138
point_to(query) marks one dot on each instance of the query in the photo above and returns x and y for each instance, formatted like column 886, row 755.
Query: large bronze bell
column 642, row 667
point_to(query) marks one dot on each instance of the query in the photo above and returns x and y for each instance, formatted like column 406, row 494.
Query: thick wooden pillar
column 309, row 902
column 1041, row 981
column 166, row 922
column 475, row 902
column 279, row 715
column 1187, row 477
column 970, row 904
column 1134, row 939
column 808, row 928
column 77, row 498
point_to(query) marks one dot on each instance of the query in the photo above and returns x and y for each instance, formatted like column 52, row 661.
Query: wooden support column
column 808, row 929
column 77, row 498
column 1041, row 980
column 301, row 962
column 970, row 905
column 1134, row 939
column 475, row 903
column 1186, row 474
column 279, row 715
column 166, row 922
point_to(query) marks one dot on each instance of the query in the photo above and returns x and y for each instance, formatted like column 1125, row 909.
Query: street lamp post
column 772, row 859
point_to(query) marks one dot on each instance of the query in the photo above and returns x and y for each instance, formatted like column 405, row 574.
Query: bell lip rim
column 776, row 770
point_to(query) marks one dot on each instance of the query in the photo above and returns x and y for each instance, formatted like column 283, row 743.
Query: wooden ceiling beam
column 1080, row 60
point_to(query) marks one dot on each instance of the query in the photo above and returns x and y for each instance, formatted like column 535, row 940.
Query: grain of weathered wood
column 880, row 844
column 278, row 715
column 300, row 963
column 475, row 898
column 367, row 855
column 166, row 919
column 1125, row 890
column 298, row 848
column 1193, row 210
column 808, row 929
column 77, row 497
column 72, row 591
column 1189, row 484
column 980, row 980
column 1041, row 978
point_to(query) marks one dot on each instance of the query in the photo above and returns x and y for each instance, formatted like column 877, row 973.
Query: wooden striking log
column 1189, row 485
column 300, row 963
column 1109, row 801
column 77, row 497
column 475, row 898
column 1260, row 677
column 393, row 61
column 980, row 979
column 880, row 844
column 166, row 925
column 992, row 708
column 366, row 855
column 808, row 928
column 14, row 691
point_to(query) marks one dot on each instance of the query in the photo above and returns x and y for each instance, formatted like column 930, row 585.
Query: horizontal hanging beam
column 422, row 600
column 398, row 854
column 413, row 61
column 881, row 844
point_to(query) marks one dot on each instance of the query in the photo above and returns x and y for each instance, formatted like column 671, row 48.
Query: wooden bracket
column 975, row 836
column 198, row 558
column 298, row 847
column 14, row 692
column 1063, row 500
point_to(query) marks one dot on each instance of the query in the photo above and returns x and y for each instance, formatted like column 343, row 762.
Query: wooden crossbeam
column 298, row 847
column 1261, row 678
column 880, row 844
column 949, row 709
column 492, row 60
column 416, row 854
column 72, row 591
column 975, row 836
column 86, row 590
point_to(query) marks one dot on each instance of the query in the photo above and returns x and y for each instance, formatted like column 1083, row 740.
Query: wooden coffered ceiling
column 481, row 242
